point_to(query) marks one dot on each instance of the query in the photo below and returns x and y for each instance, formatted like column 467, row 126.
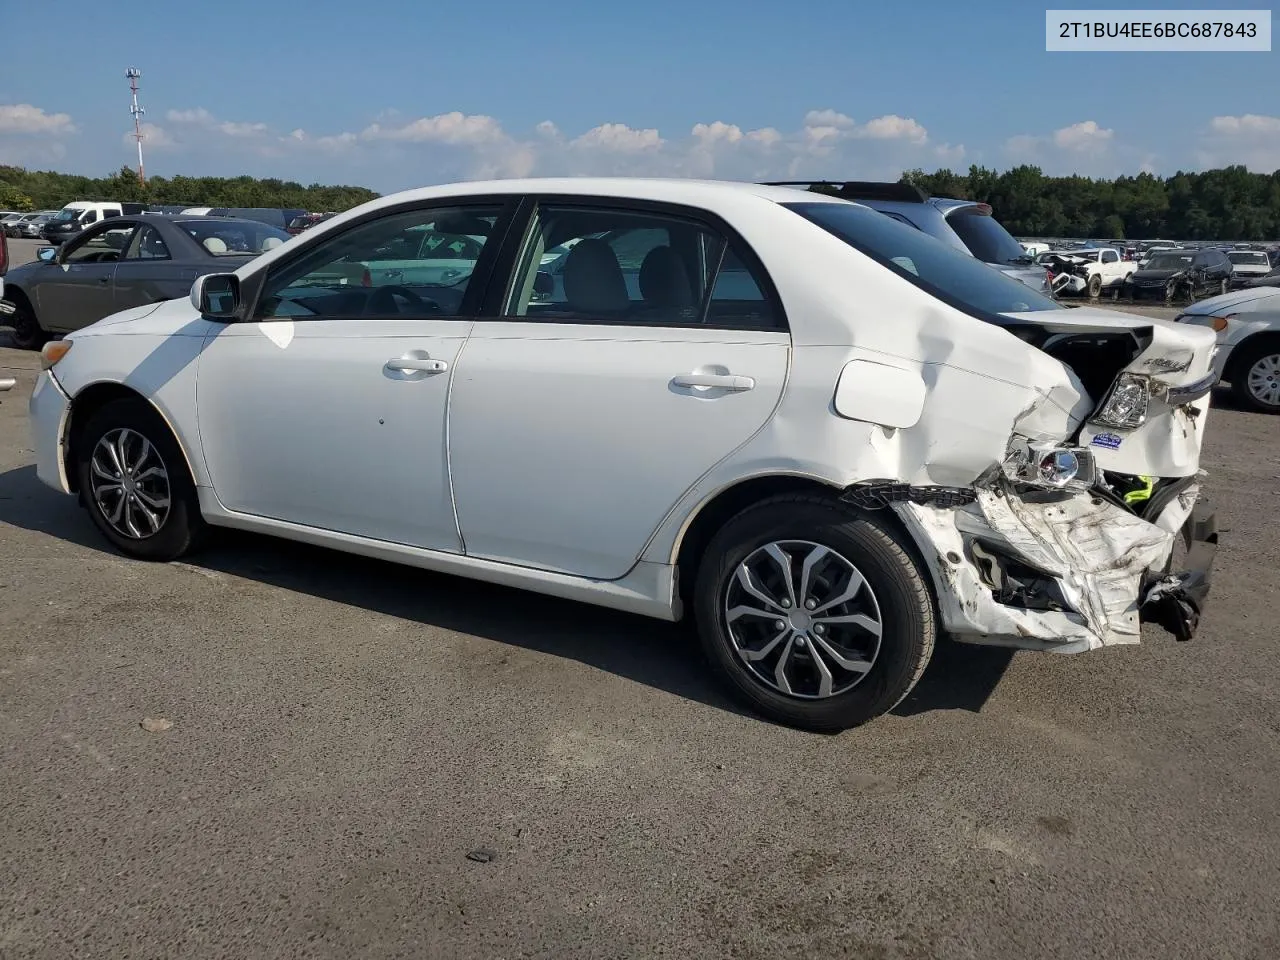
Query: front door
column 328, row 408
column 593, row 400
column 77, row 290
column 147, row 272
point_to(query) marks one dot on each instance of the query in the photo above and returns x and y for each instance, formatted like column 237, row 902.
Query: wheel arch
column 88, row 401
column 1240, row 351
column 731, row 500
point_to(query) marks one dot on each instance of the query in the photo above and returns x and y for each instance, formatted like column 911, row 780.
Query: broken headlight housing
column 1048, row 465
column 1126, row 403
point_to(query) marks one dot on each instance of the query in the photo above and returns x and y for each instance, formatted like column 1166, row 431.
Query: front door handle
column 416, row 364
column 714, row 380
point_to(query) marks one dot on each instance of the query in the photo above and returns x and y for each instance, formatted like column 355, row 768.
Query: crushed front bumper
column 1061, row 571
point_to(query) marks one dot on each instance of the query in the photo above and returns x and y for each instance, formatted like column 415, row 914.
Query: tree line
column 22, row 189
column 1224, row 204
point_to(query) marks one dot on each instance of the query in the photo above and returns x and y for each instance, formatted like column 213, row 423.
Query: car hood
column 165, row 317
column 1157, row 274
column 1238, row 301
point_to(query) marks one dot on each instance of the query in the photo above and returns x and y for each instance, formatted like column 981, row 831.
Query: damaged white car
column 821, row 435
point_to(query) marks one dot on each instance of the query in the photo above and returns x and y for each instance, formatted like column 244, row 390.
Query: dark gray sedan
column 125, row 262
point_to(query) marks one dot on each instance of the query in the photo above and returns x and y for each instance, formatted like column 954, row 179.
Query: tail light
column 366, row 280
column 4, row 253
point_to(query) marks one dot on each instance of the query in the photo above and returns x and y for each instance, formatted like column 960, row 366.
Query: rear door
column 586, row 405
column 148, row 273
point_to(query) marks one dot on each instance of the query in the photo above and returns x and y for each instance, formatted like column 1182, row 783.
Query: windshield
column 1249, row 257
column 230, row 238
column 73, row 214
column 1170, row 261
column 935, row 267
column 986, row 238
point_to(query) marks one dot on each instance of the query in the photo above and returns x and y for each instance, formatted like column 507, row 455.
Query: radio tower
column 134, row 75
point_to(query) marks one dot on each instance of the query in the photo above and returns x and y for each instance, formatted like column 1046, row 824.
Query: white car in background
column 1248, row 265
column 1247, row 325
column 821, row 434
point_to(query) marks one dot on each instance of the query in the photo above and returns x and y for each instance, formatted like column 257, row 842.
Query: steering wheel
column 383, row 301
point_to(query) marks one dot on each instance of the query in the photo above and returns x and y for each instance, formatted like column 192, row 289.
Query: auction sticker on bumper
column 1138, row 31
column 1108, row 440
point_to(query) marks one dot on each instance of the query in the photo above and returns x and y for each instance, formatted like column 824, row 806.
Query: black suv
column 1174, row 274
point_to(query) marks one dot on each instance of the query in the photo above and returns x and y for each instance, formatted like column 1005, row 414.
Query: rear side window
column 598, row 265
column 985, row 238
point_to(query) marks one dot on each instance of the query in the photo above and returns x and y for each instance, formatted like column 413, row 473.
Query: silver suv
column 964, row 224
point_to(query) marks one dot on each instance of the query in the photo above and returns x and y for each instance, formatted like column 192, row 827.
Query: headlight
column 1046, row 465
column 1126, row 404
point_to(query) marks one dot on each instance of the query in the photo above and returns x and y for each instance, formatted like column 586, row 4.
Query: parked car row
column 57, row 226
column 816, row 430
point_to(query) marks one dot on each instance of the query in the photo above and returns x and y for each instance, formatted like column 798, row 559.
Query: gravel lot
column 345, row 732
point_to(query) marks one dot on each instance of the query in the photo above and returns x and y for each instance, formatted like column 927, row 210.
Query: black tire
column 888, row 566
column 27, row 333
column 1095, row 286
column 1251, row 354
column 182, row 527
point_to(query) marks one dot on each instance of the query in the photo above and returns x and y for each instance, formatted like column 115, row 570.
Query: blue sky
column 392, row 93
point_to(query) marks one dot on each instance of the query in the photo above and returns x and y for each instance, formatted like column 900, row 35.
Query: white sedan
column 824, row 436
column 1247, row 324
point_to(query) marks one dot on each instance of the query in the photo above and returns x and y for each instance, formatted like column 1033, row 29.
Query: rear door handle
column 714, row 380
column 413, row 364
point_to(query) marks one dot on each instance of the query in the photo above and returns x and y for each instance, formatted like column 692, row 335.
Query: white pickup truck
column 1088, row 271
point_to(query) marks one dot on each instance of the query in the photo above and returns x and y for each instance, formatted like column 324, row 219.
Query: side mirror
column 543, row 285
column 217, row 295
column 47, row 254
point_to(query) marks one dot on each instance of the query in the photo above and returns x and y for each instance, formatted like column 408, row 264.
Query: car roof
column 669, row 189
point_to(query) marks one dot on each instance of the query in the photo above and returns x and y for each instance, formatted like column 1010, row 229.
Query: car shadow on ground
column 661, row 655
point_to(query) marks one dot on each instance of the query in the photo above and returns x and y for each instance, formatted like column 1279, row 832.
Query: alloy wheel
column 130, row 483
column 803, row 619
column 1264, row 380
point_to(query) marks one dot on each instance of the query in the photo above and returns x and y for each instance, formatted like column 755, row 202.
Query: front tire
column 1095, row 286
column 134, row 481
column 1255, row 381
column 812, row 614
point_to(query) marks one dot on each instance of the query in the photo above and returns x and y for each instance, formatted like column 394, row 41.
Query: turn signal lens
column 54, row 351
column 1219, row 323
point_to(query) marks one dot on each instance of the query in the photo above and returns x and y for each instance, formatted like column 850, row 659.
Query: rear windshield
column 224, row 238
column 935, row 267
column 1248, row 257
column 1170, row 261
column 986, row 238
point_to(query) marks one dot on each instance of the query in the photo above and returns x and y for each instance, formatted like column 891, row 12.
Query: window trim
column 503, row 279
column 253, row 284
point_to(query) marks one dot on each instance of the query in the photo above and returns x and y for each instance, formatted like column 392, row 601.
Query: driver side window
column 102, row 246
column 416, row 264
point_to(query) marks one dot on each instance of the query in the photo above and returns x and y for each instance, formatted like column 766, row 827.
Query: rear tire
column 134, row 482
column 845, row 624
column 1255, row 376
column 27, row 333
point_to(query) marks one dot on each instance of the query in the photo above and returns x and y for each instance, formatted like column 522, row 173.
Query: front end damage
column 1072, row 542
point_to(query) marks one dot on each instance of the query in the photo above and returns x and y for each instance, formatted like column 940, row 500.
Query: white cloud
column 24, row 118
column 449, row 128
column 893, row 127
column 617, row 137
column 1251, row 139
column 153, row 138
column 199, row 115
column 1084, row 137
column 468, row 146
